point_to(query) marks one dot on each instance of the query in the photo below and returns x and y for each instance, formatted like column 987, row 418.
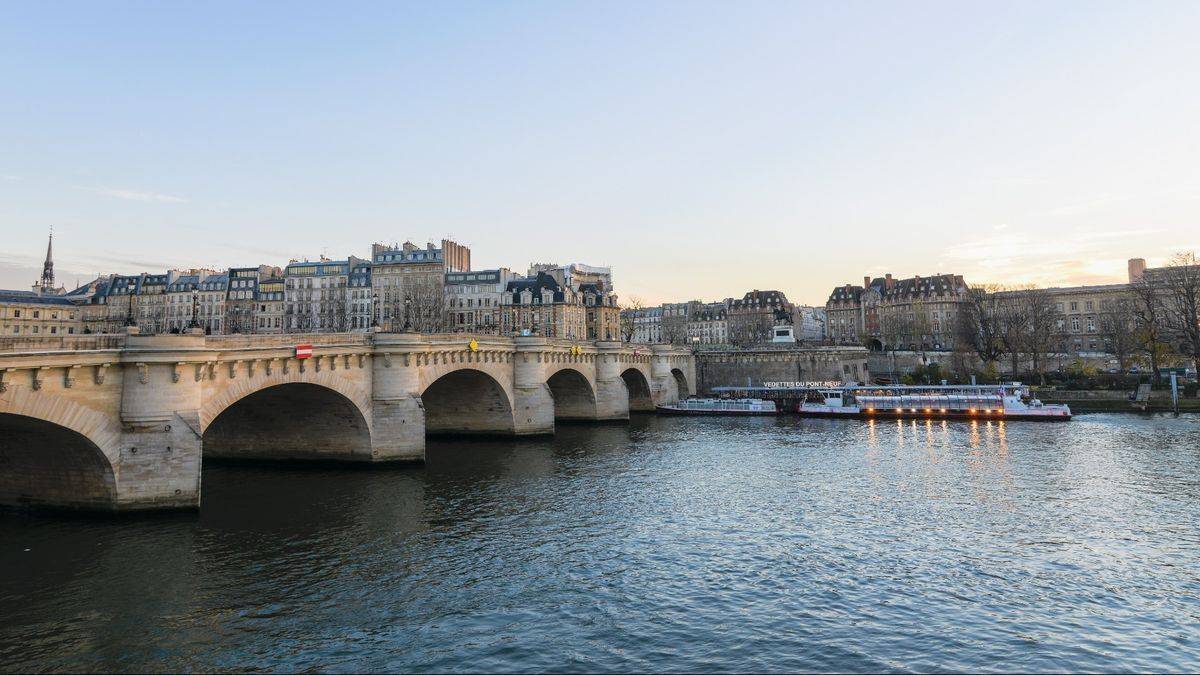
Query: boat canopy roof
column 883, row 388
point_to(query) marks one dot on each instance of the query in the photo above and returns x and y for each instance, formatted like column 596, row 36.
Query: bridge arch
column 467, row 401
column 640, row 397
column 681, row 383
column 230, row 391
column 574, row 395
column 290, row 420
column 44, row 463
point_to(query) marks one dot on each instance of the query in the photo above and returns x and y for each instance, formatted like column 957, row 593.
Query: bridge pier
column 533, row 404
column 612, row 394
column 663, row 384
column 398, row 429
column 159, row 452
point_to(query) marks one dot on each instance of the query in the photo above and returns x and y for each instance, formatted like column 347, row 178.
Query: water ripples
column 667, row 545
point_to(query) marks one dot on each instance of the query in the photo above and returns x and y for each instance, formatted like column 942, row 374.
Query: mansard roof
column 536, row 285
column 938, row 285
column 759, row 298
column 31, row 298
column 184, row 282
column 846, row 293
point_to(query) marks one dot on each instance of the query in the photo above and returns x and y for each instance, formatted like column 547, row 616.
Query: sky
column 700, row 149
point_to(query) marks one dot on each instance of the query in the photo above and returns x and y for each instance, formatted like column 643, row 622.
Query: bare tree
column 895, row 328
column 1013, row 324
column 629, row 313
column 1181, row 290
column 1118, row 326
column 1041, row 318
column 1150, row 322
column 980, row 324
column 424, row 304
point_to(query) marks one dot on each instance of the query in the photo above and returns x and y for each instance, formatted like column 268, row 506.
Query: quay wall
column 757, row 366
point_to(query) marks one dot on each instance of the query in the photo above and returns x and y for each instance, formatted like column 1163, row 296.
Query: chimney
column 887, row 280
column 1137, row 269
column 866, row 282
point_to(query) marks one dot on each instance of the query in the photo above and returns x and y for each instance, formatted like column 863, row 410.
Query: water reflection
column 665, row 544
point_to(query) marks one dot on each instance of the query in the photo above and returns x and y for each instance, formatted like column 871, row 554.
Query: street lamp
column 375, row 310
column 129, row 318
column 195, row 300
column 407, row 311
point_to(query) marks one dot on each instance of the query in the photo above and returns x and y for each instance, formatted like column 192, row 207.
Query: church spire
column 47, row 282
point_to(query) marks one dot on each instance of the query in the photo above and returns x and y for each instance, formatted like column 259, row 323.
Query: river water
column 665, row 544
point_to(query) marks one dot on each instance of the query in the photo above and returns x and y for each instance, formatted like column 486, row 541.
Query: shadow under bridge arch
column 295, row 420
column 640, row 398
column 574, row 397
column 681, row 383
column 43, row 464
column 467, row 402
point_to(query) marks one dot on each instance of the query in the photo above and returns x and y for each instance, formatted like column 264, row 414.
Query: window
column 36, row 313
column 1074, row 306
column 16, row 313
column 1088, row 305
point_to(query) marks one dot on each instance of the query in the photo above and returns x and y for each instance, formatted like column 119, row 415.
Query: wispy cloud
column 1064, row 257
column 137, row 195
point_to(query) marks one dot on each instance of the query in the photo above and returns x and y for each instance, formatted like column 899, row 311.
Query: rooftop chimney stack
column 1137, row 269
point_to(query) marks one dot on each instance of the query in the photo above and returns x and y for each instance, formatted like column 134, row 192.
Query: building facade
column 542, row 306
column 28, row 313
column 316, row 295
column 753, row 317
column 809, row 323
column 887, row 313
column 474, row 300
column 709, row 325
column 409, row 283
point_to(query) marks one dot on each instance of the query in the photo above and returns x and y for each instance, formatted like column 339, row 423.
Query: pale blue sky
column 701, row 149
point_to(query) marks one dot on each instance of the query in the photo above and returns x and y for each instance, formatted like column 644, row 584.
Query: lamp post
column 195, row 300
column 375, row 310
column 129, row 318
column 407, row 312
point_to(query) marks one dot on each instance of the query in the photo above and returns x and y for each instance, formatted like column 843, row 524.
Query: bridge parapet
column 146, row 407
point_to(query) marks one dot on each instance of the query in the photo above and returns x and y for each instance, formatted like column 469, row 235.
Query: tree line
column 1156, row 319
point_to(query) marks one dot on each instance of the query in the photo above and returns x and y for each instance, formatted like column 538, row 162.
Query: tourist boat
column 976, row 402
column 719, row 406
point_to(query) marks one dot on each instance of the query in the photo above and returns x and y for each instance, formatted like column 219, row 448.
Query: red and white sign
column 304, row 351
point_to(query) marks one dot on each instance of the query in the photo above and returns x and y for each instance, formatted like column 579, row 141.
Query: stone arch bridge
column 123, row 422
